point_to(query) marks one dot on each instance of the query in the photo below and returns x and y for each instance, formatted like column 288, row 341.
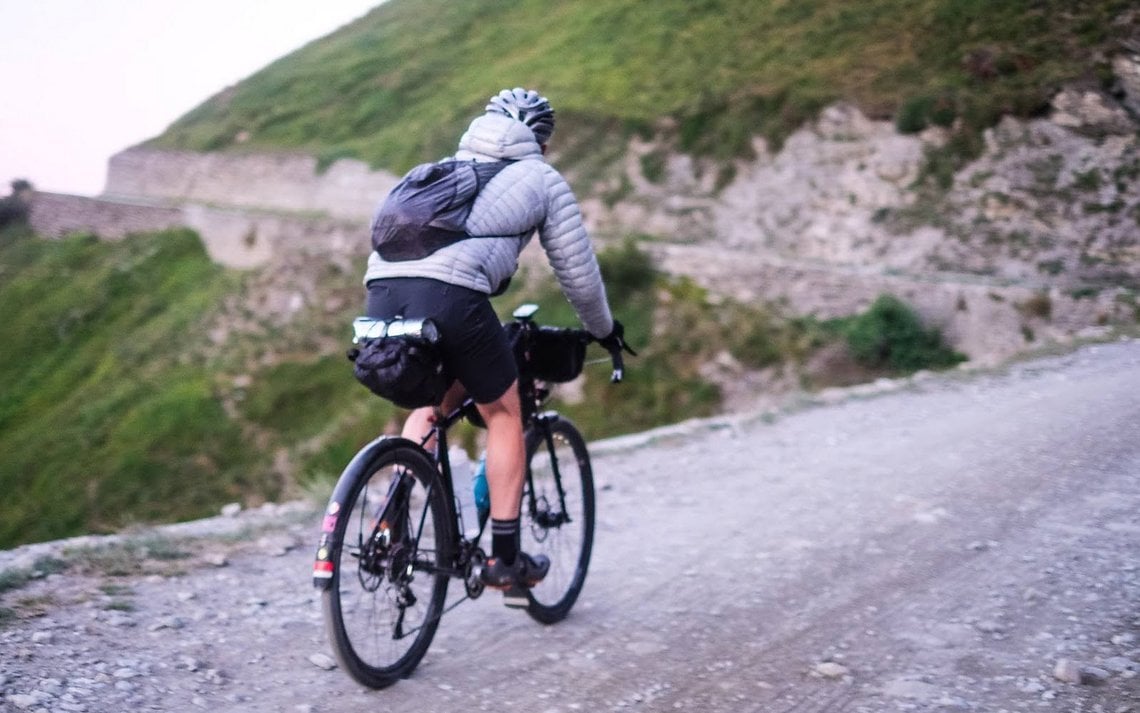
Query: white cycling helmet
column 527, row 106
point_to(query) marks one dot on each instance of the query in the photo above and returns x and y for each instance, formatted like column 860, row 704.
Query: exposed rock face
column 1090, row 112
column 1034, row 241
column 816, row 198
column 1127, row 71
column 1047, row 204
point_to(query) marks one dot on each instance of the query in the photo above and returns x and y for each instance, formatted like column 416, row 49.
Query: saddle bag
column 398, row 360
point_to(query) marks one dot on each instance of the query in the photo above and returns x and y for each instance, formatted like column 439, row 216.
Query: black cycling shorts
column 472, row 340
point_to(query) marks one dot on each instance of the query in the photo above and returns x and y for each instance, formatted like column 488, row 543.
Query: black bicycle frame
column 531, row 396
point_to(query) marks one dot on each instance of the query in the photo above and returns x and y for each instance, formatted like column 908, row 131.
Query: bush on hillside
column 890, row 335
column 14, row 207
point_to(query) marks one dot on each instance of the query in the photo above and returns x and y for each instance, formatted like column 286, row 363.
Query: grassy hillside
column 121, row 404
column 107, row 412
column 398, row 86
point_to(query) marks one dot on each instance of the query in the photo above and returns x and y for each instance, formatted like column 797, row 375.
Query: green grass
column 118, row 409
column 399, row 85
column 152, row 554
column 110, row 414
column 17, row 577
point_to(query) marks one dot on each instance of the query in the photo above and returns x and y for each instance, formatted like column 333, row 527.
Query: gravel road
column 954, row 542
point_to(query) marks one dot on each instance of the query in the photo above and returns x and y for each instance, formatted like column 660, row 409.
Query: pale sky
column 83, row 79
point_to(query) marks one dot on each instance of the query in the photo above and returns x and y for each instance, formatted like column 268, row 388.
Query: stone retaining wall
column 233, row 237
column 276, row 181
column 54, row 215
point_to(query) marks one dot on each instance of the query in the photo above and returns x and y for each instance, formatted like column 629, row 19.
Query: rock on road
column 962, row 542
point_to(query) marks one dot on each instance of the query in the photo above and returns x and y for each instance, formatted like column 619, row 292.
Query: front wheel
column 390, row 547
column 557, row 514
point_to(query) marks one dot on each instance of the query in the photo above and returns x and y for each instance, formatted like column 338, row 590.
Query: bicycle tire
column 377, row 640
column 560, row 527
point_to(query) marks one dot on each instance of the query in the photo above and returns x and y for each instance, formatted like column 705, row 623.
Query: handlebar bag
column 553, row 354
column 404, row 370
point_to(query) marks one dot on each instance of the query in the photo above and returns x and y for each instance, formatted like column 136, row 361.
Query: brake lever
column 619, row 367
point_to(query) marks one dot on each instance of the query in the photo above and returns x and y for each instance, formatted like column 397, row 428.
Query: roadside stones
column 170, row 622
column 51, row 686
column 987, row 626
column 277, row 545
column 830, row 669
column 1031, row 686
column 189, row 663
column 1123, row 639
column 1092, row 675
column 1120, row 664
column 1067, row 671
column 231, row 510
column 26, row 701
column 323, row 661
column 216, row 559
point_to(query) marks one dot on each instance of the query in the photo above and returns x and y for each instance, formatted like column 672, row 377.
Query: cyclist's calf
column 506, row 452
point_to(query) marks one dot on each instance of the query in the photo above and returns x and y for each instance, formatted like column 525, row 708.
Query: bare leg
column 506, row 453
column 420, row 421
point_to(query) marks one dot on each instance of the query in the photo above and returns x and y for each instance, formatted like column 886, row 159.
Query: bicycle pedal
column 516, row 597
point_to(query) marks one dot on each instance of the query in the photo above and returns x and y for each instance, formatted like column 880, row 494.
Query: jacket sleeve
column 568, row 248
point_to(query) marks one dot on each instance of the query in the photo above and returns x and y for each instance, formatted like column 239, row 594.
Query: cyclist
column 452, row 286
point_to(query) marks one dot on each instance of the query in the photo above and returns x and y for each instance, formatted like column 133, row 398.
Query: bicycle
column 393, row 535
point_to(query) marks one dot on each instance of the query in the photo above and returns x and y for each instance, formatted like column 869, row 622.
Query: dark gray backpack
column 428, row 208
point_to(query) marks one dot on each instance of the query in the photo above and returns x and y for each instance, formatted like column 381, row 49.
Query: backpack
column 428, row 208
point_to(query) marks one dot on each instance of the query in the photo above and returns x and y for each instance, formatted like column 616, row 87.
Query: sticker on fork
column 322, row 568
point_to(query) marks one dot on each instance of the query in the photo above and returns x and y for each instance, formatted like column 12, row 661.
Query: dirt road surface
column 953, row 543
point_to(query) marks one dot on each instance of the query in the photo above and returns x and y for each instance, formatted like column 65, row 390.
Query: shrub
column 919, row 112
column 912, row 116
column 890, row 335
column 653, row 166
column 14, row 208
column 1039, row 305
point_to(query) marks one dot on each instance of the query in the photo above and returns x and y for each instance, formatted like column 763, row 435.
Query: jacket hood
column 498, row 137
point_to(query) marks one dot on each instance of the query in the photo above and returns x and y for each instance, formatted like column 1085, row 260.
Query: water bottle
column 460, row 476
column 480, row 490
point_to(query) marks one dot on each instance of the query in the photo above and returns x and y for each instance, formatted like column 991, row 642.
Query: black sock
column 505, row 540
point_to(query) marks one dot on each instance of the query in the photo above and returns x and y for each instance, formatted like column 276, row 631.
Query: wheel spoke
column 558, row 516
column 390, row 586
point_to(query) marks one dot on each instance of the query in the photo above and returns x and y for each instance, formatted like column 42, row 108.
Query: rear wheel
column 557, row 514
column 388, row 586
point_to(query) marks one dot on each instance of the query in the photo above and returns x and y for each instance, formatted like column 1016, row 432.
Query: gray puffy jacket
column 526, row 196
